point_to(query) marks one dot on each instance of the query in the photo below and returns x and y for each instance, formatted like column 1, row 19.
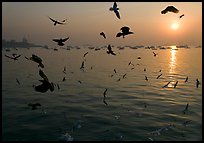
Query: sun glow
column 174, row 26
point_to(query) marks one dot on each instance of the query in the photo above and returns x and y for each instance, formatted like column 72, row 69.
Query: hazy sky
column 85, row 20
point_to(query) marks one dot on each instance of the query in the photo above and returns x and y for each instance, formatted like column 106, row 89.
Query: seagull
column 45, row 83
column 86, row 54
column 124, row 75
column 197, row 83
column 60, row 41
column 17, row 81
column 184, row 111
column 57, row 22
column 64, row 79
column 15, row 57
column 130, row 63
column 36, row 59
column 104, row 96
column 115, row 9
column 169, row 9
column 103, row 34
column 110, row 50
column 34, row 105
column 159, row 76
column 155, row 54
column 138, row 58
column 166, row 84
column 115, row 70
column 82, row 65
column 186, row 80
column 146, row 78
column 125, row 31
column 175, row 84
column 181, row 16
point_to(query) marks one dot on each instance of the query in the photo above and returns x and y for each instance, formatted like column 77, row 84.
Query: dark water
column 137, row 110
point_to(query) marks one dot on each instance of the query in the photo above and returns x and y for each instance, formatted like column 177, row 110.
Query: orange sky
column 87, row 19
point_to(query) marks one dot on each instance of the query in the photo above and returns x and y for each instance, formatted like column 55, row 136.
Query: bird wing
column 17, row 56
column 59, row 22
column 8, row 57
column 115, row 5
column 63, row 40
column 52, row 19
column 119, row 34
column 117, row 13
column 172, row 9
column 41, row 73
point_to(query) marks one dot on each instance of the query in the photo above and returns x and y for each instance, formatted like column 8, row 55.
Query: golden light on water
column 172, row 63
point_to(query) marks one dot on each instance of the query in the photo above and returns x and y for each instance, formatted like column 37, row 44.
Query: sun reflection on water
column 172, row 63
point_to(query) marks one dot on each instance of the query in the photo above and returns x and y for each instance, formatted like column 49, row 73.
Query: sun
column 174, row 26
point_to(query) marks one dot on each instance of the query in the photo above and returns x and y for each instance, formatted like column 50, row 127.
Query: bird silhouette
column 17, row 81
column 34, row 105
column 110, row 51
column 60, row 41
column 166, row 84
column 103, row 34
column 181, row 16
column 175, row 84
column 82, row 65
column 115, row 9
column 124, row 75
column 104, row 96
column 146, row 78
column 197, row 83
column 159, row 76
column 45, row 83
column 170, row 9
column 184, row 111
column 186, row 80
column 86, row 54
column 125, row 31
column 14, row 56
column 57, row 22
column 36, row 59
column 155, row 54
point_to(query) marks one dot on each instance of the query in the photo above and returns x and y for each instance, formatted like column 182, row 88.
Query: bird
column 14, row 56
column 175, row 84
column 146, row 78
column 166, row 84
column 34, row 105
column 63, row 79
column 115, row 70
column 144, row 69
column 115, row 9
column 36, row 59
column 186, row 80
column 64, row 70
column 197, row 83
column 86, row 54
column 170, row 9
column 45, row 83
column 17, row 81
column 181, row 16
column 60, row 41
column 159, row 76
column 104, row 96
column 155, row 54
column 57, row 22
column 125, row 31
column 138, row 58
column 103, row 34
column 130, row 63
column 124, row 75
column 110, row 50
column 184, row 111
column 82, row 65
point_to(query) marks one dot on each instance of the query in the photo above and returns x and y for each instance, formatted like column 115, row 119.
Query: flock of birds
column 47, row 85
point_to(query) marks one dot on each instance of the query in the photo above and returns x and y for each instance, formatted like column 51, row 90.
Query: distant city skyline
column 85, row 21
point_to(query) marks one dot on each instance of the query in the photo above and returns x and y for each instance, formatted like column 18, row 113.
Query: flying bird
column 125, row 31
column 159, row 76
column 36, row 59
column 146, row 78
column 103, row 34
column 115, row 70
column 169, row 9
column 115, row 9
column 57, row 22
column 64, row 70
column 14, row 56
column 82, row 65
column 184, row 111
column 124, row 75
column 60, row 41
column 175, row 84
column 17, row 81
column 104, row 96
column 181, row 16
column 86, row 54
column 34, row 105
column 186, row 80
column 197, row 83
column 110, row 51
column 155, row 54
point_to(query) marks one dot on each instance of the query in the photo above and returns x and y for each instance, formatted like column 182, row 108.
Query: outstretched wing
column 8, row 57
column 17, row 56
column 52, row 19
column 117, row 13
column 115, row 5
column 63, row 40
